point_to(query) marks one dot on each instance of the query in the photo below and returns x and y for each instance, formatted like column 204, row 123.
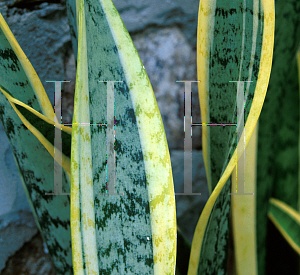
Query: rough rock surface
column 138, row 15
column 142, row 14
column 31, row 259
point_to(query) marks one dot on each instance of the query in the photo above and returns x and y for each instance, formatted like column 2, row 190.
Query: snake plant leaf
column 243, row 213
column 131, row 230
column 42, row 127
column 287, row 221
column 35, row 164
column 278, row 137
column 18, row 74
column 235, row 43
column 298, row 65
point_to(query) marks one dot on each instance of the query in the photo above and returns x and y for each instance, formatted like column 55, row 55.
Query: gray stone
column 138, row 15
column 168, row 57
column 30, row 259
column 189, row 207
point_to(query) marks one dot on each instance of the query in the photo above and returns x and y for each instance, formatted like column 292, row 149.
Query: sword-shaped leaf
column 235, row 43
column 243, row 209
column 35, row 164
column 278, row 137
column 43, row 129
column 287, row 221
column 298, row 66
column 131, row 230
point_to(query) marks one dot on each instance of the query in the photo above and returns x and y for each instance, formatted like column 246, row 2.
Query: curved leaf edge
column 33, row 78
column 260, row 93
column 65, row 160
column 290, row 214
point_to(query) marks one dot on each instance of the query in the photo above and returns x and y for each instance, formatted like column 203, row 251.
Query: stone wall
column 164, row 33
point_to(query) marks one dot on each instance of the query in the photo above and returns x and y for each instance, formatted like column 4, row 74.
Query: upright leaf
column 278, row 135
column 298, row 66
column 235, row 43
column 243, row 209
column 35, row 164
column 134, row 230
column 42, row 128
column 287, row 221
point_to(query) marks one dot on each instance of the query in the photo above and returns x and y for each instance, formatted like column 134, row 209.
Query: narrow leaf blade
column 287, row 221
column 35, row 164
column 244, row 213
column 135, row 229
column 209, row 255
column 278, row 136
column 43, row 129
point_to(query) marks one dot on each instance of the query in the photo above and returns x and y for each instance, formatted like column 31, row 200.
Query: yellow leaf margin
column 257, row 103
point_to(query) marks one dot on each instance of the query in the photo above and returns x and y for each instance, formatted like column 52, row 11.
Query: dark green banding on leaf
column 214, row 250
column 232, row 59
column 47, row 130
column 132, row 209
column 36, row 168
column 34, row 163
column 278, row 135
column 287, row 221
column 235, row 43
column 124, row 238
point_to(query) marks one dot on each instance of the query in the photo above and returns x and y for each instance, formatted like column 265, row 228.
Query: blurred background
column 164, row 33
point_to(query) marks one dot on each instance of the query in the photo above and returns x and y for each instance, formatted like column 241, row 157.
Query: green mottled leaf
column 235, row 43
column 35, row 164
column 134, row 232
column 43, row 129
column 287, row 221
column 243, row 213
column 278, row 137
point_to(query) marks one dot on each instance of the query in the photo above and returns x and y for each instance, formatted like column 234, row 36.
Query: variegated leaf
column 235, row 43
column 243, row 213
column 35, row 164
column 133, row 232
column 287, row 221
column 278, row 136
column 42, row 128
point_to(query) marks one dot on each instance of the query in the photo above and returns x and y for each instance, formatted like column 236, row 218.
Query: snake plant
column 115, row 163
